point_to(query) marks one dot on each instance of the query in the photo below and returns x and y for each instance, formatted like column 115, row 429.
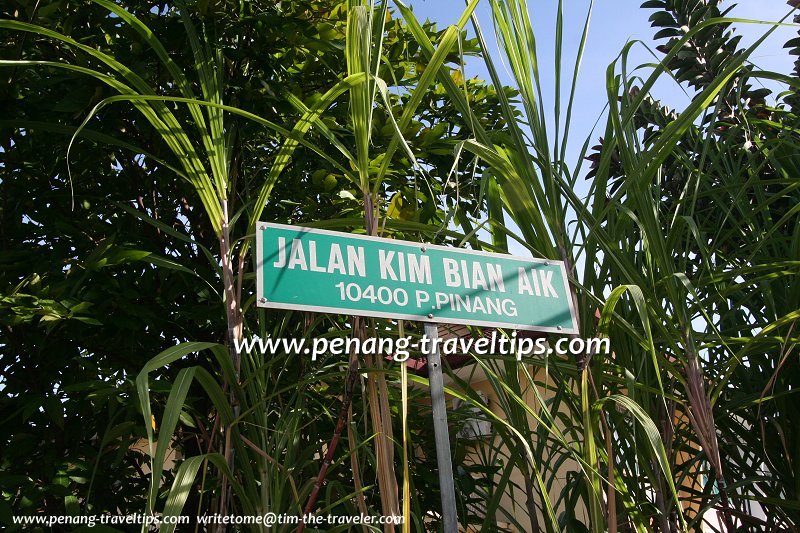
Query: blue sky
column 613, row 23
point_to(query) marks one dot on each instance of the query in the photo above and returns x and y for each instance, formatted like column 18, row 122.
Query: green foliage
column 127, row 204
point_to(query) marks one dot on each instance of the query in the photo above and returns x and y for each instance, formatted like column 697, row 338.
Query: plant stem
column 347, row 398
column 234, row 322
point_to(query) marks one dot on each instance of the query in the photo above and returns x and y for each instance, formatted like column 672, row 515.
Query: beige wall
column 514, row 500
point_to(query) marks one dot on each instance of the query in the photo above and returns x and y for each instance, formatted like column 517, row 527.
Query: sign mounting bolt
column 430, row 315
column 262, row 300
column 559, row 328
column 423, row 249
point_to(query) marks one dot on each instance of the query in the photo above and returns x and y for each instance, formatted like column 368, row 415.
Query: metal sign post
column 440, row 431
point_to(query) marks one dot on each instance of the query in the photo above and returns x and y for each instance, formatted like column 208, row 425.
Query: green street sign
column 331, row 272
